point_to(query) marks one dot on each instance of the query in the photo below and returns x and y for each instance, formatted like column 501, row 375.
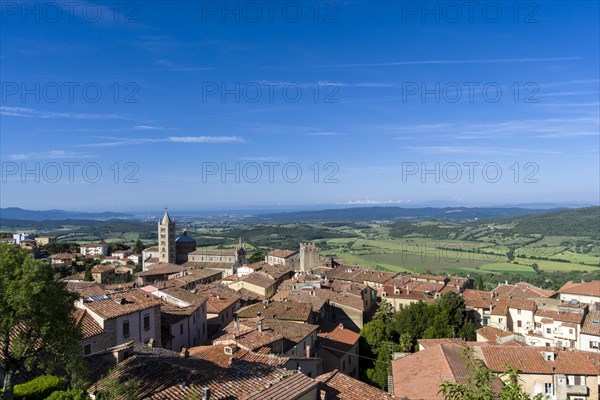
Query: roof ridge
column 441, row 345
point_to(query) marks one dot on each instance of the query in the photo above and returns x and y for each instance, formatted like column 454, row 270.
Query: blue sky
column 368, row 93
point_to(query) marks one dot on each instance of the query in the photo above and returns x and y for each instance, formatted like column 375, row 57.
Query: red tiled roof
column 531, row 360
column 585, row 288
column 122, row 303
column 492, row 334
column 521, row 304
column 216, row 354
column 282, row 253
column 339, row 386
column 432, row 342
column 572, row 317
column 522, row 290
column 499, row 307
column 89, row 326
column 419, row 376
column 278, row 310
column 301, row 296
column 259, row 279
column 219, row 298
column 336, row 337
column 162, row 269
column 289, row 388
column 477, row 298
column 591, row 325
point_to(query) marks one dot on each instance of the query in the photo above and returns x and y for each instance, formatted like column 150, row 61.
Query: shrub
column 68, row 395
column 39, row 388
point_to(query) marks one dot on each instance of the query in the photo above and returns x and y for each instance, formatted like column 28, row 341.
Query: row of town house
column 292, row 322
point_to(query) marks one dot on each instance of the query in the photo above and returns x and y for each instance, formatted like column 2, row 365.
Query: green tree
column 382, row 368
column 138, row 247
column 375, row 332
column 87, row 276
column 384, row 312
column 256, row 257
column 405, row 342
column 36, row 323
column 480, row 282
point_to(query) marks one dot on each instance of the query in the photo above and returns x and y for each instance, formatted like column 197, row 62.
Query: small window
column 518, row 324
column 570, row 331
column 548, row 389
column 343, row 365
column 594, row 345
column 181, row 329
column 548, row 330
column 87, row 349
column 126, row 329
column 147, row 322
column 519, row 311
column 194, row 318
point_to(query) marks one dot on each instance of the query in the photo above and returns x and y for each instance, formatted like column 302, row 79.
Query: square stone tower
column 309, row 257
column 166, row 239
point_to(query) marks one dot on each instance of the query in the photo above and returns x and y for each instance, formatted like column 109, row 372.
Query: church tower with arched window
column 166, row 239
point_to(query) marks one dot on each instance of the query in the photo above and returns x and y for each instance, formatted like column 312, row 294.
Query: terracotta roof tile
column 89, row 326
column 591, row 325
column 572, row 317
column 585, row 288
column 122, row 303
column 337, row 338
column 278, row 310
column 531, row 360
column 282, row 253
column 339, row 386
column 415, row 377
column 290, row 388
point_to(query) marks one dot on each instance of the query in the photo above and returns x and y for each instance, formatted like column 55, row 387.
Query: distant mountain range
column 400, row 213
column 350, row 214
column 56, row 215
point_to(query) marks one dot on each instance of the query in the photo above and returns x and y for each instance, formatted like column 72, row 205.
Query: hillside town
column 188, row 322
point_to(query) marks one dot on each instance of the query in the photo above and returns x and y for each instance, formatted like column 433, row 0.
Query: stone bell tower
column 166, row 239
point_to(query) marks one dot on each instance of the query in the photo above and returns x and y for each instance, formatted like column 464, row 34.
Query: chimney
column 185, row 353
column 308, row 351
column 205, row 393
column 259, row 326
column 323, row 395
column 341, row 326
column 151, row 343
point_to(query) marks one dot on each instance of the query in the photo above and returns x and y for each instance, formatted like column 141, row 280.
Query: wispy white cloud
column 116, row 141
column 532, row 128
column 48, row 155
column 147, row 128
column 32, row 113
column 175, row 67
column 485, row 150
column 435, row 62
column 205, row 139
column 374, row 202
